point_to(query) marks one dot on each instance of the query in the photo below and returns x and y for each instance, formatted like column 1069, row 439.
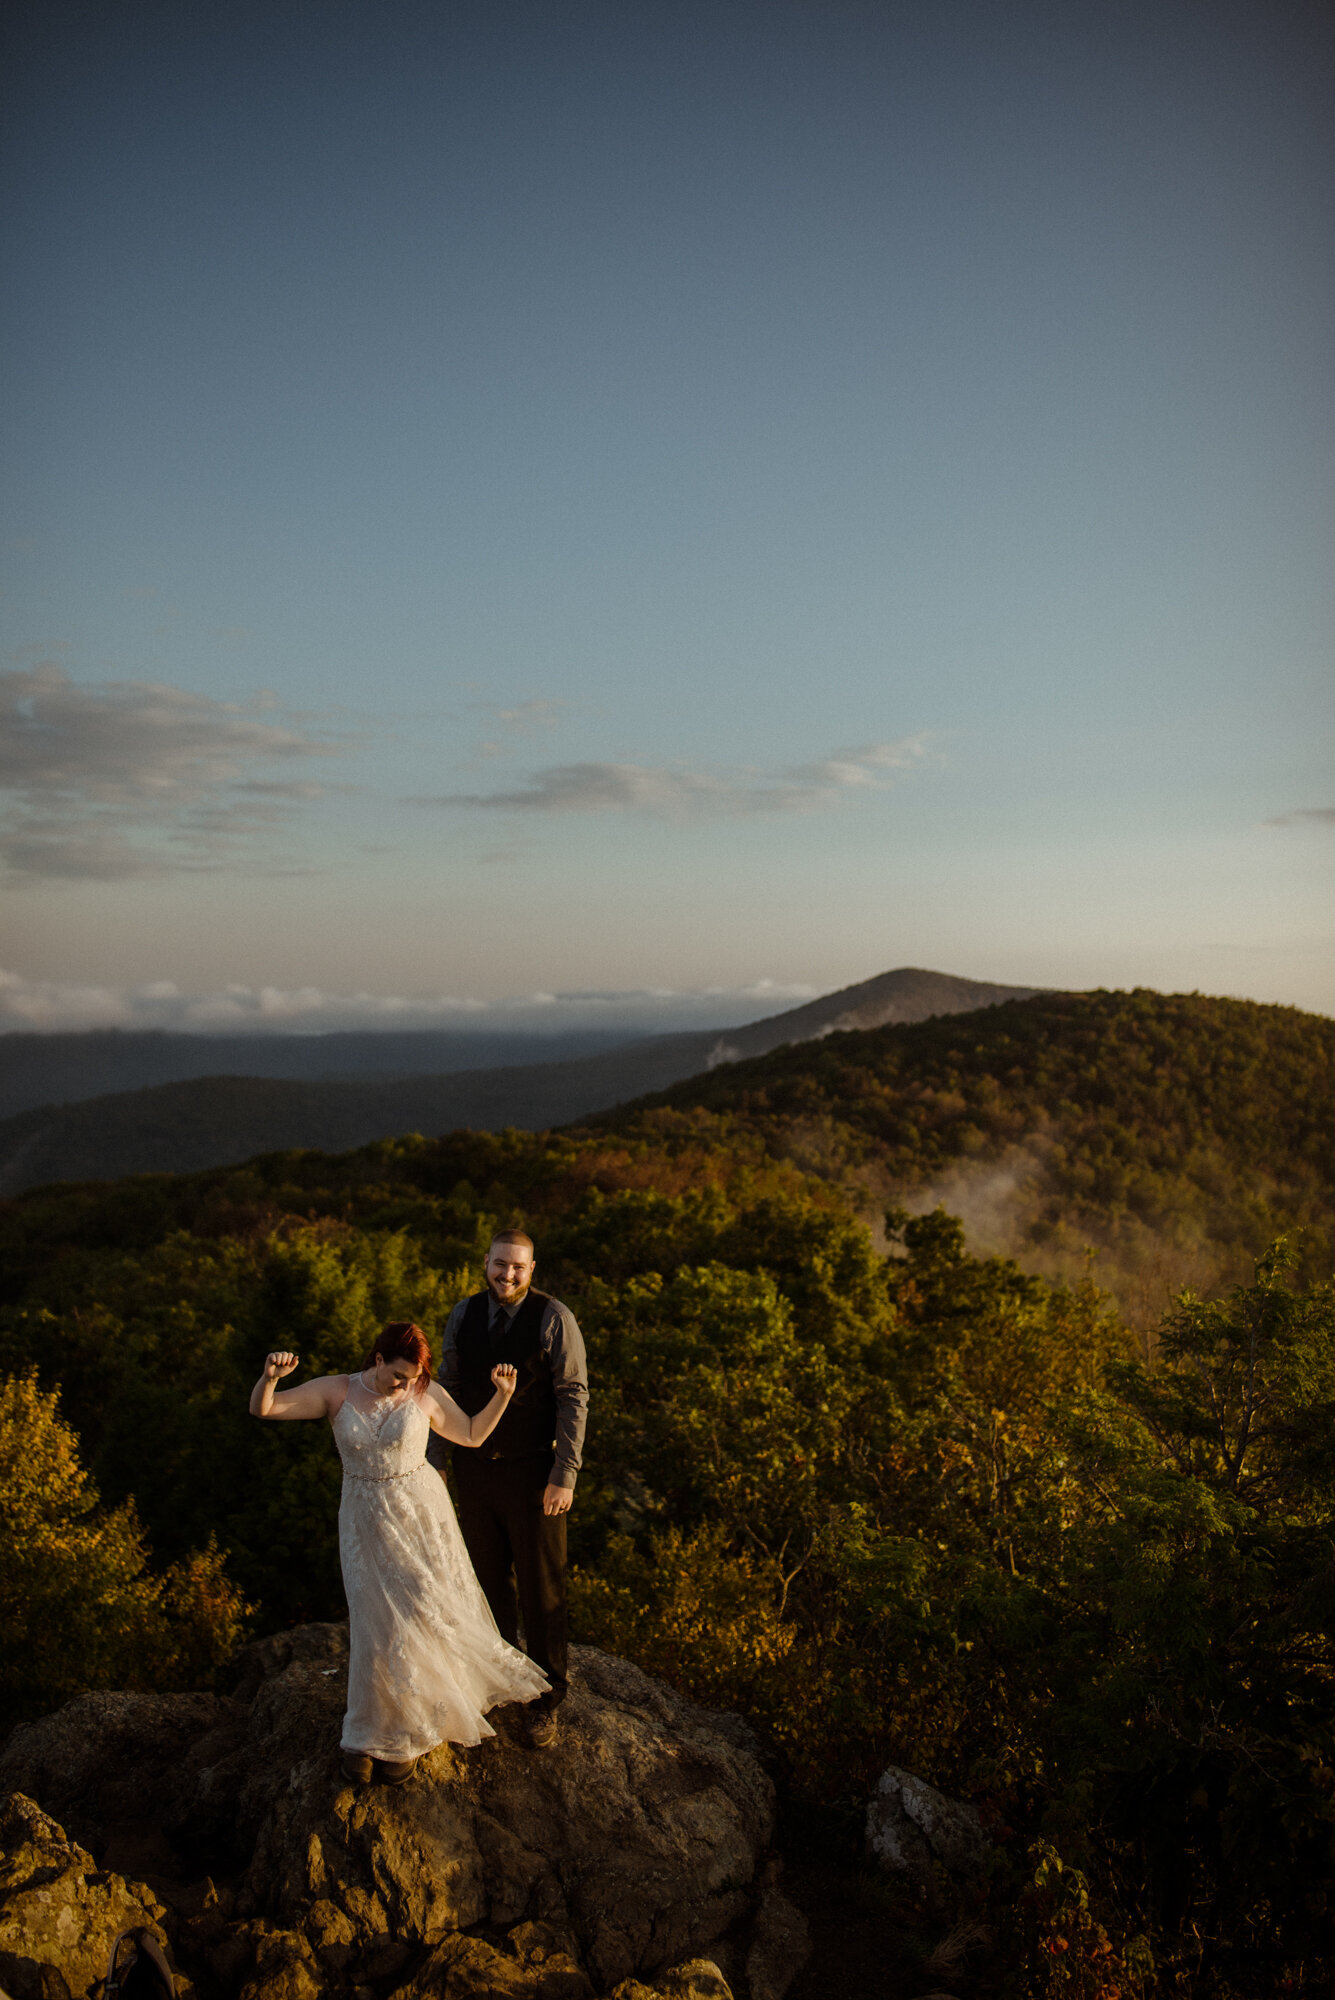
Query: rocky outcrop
column 60, row 1914
column 630, row 1858
column 919, row 1834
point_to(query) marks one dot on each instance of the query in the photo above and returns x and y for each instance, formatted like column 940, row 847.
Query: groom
column 515, row 1490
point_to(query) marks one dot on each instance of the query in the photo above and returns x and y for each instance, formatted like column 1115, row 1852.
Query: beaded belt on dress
column 382, row 1478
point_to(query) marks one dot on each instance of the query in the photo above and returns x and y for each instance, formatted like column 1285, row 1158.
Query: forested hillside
column 1169, row 1132
column 895, row 1502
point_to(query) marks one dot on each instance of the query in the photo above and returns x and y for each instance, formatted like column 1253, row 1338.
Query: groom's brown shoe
column 543, row 1726
column 395, row 1774
column 356, row 1767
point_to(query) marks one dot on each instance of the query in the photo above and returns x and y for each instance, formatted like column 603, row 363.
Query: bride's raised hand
column 504, row 1377
column 321, row 1398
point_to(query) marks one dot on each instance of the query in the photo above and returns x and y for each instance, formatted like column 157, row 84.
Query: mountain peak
column 907, row 994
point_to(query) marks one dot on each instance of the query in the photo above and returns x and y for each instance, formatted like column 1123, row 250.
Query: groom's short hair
column 511, row 1236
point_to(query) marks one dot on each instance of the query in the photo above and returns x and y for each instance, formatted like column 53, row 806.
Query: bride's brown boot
column 356, row 1767
column 395, row 1774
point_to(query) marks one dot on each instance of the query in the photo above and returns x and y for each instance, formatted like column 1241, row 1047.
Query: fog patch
column 721, row 1053
column 1009, row 1208
column 996, row 1200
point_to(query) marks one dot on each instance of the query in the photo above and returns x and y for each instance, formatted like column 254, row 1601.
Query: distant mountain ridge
column 68, row 1066
column 187, row 1125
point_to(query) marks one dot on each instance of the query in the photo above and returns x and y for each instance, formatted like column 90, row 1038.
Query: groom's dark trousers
column 519, row 1553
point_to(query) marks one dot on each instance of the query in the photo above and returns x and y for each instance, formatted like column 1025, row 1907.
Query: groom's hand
column 556, row 1499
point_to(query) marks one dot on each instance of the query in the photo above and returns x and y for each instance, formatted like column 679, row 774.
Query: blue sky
column 532, row 498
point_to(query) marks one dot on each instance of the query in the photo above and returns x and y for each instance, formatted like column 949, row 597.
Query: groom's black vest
column 528, row 1428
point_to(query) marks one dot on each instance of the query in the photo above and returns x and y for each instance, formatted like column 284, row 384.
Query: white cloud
column 51, row 1005
column 672, row 792
column 527, row 716
column 106, row 780
column 519, row 719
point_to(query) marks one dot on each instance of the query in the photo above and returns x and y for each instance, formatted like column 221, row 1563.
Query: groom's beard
column 515, row 1298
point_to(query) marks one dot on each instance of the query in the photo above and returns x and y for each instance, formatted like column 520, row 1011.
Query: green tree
column 715, row 1408
column 1197, row 1672
column 79, row 1604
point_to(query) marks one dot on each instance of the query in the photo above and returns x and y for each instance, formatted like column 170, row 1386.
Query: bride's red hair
column 401, row 1340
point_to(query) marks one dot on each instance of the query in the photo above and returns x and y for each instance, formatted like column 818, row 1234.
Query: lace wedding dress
column 426, row 1658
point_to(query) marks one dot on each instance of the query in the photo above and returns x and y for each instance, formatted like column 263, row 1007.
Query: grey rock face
column 631, row 1854
column 916, row 1832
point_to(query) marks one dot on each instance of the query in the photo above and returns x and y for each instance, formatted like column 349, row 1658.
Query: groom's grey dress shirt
column 563, row 1344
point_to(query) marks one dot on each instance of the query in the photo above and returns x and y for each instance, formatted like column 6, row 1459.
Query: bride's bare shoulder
column 438, row 1407
column 333, row 1388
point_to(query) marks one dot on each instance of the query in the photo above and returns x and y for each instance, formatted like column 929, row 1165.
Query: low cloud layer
column 674, row 792
column 51, row 1005
column 108, row 780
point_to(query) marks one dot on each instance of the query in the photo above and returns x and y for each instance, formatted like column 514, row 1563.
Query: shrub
column 79, row 1605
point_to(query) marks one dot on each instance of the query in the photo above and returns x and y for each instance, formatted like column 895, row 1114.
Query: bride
column 426, row 1660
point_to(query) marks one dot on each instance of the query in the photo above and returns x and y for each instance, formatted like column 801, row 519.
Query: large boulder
column 633, row 1850
column 116, row 1767
column 920, row 1835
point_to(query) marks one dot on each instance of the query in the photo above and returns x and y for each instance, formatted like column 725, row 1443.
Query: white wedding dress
column 426, row 1658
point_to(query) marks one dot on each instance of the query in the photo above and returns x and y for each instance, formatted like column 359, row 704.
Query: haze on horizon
column 693, row 506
